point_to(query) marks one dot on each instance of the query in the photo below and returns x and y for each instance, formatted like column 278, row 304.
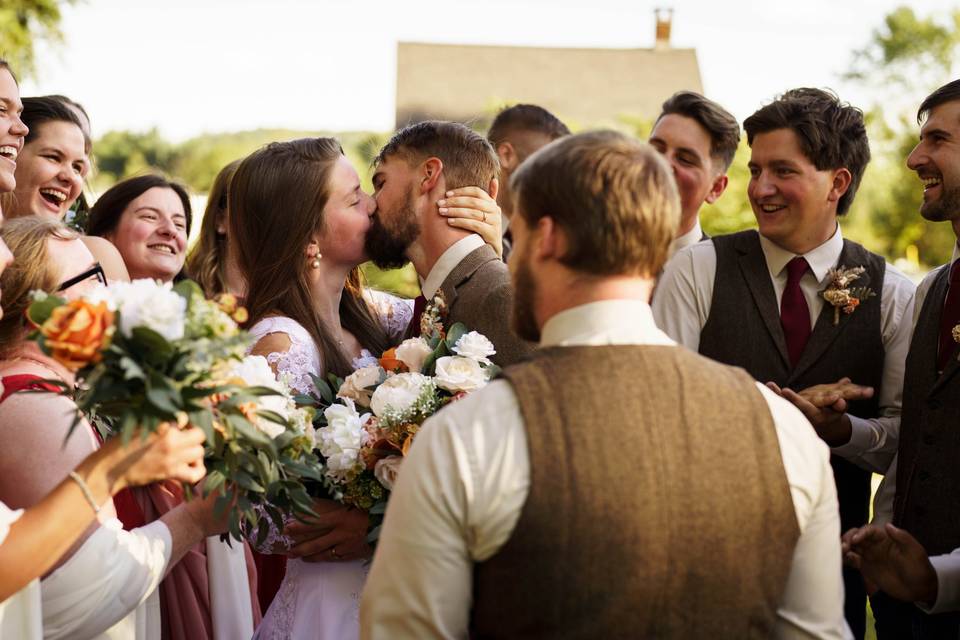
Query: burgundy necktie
column 949, row 318
column 794, row 312
column 419, row 304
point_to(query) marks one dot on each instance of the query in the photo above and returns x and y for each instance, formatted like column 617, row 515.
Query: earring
column 315, row 263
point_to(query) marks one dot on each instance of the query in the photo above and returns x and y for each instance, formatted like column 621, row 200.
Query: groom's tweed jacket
column 658, row 506
column 479, row 294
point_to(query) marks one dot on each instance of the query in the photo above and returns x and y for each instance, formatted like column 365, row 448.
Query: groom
column 615, row 485
column 414, row 171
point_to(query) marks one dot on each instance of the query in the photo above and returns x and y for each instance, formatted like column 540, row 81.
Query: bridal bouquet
column 368, row 421
column 146, row 353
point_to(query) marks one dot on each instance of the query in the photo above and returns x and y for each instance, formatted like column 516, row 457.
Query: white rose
column 357, row 385
column 147, row 303
column 413, row 352
column 341, row 440
column 254, row 371
column 386, row 471
column 398, row 392
column 475, row 345
column 456, row 373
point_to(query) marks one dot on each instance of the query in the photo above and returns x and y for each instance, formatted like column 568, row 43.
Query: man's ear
column 549, row 240
column 842, row 179
column 431, row 171
column 494, row 188
column 507, row 156
column 716, row 189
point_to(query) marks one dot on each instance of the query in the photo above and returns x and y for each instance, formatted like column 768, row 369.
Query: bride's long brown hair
column 276, row 198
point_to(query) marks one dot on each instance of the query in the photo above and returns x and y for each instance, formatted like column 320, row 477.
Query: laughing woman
column 51, row 168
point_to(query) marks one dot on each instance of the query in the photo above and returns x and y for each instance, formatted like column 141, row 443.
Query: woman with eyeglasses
column 101, row 581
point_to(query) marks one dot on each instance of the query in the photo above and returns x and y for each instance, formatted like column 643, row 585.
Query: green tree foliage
column 22, row 24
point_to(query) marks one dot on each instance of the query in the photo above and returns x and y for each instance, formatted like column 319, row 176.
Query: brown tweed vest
column 658, row 503
column 928, row 478
column 744, row 330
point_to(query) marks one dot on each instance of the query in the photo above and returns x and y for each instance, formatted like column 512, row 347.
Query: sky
column 194, row 66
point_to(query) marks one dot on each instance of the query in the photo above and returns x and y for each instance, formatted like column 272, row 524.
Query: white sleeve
column 105, row 580
column 947, row 567
column 681, row 301
column 812, row 603
column 395, row 313
column 873, row 442
column 456, row 502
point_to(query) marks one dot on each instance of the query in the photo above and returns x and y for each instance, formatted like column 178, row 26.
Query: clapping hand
column 337, row 533
column 893, row 561
column 825, row 406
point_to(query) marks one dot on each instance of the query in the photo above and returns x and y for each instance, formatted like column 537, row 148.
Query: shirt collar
column 821, row 259
column 454, row 254
column 625, row 321
column 689, row 238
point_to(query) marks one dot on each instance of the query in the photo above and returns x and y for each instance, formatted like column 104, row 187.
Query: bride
column 299, row 219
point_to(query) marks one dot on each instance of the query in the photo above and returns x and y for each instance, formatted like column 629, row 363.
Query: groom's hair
column 468, row 159
column 831, row 133
column 614, row 197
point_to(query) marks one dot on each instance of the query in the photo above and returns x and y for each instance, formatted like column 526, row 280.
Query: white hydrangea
column 341, row 440
column 476, row 346
column 151, row 304
column 398, row 393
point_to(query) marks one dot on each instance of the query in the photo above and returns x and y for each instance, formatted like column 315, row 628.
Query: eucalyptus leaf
column 454, row 333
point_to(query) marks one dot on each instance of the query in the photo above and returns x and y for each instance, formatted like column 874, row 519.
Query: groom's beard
column 524, row 295
column 387, row 247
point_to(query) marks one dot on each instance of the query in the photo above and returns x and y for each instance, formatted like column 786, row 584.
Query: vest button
column 923, row 475
column 934, row 404
column 928, row 439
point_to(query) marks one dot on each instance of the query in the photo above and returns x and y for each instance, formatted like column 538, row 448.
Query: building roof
column 586, row 87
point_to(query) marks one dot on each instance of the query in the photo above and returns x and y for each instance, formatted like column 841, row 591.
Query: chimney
column 664, row 22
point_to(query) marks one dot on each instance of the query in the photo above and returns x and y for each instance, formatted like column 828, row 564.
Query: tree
column 22, row 24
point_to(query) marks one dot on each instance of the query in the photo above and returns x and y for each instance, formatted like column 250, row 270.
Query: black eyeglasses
column 95, row 270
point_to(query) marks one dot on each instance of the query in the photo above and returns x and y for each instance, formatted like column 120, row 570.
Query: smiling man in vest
column 615, row 485
column 755, row 299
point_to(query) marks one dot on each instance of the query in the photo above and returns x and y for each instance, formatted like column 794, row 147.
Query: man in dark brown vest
column 925, row 478
column 414, row 171
column 756, row 299
column 615, row 485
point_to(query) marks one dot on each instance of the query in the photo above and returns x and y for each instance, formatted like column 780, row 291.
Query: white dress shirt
column 450, row 258
column 467, row 477
column 682, row 305
column 689, row 238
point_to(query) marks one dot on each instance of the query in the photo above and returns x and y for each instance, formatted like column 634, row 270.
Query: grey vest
column 658, row 503
column 928, row 479
column 744, row 330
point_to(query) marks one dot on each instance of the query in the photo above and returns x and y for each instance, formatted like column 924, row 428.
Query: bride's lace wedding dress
column 319, row 600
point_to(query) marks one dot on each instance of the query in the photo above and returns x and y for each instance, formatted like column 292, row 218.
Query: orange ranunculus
column 389, row 362
column 77, row 332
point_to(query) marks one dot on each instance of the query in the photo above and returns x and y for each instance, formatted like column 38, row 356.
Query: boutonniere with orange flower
column 841, row 295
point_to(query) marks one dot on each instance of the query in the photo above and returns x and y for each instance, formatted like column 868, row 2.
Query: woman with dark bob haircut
column 148, row 219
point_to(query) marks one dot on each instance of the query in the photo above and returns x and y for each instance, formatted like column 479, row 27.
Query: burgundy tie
column 949, row 318
column 419, row 304
column 794, row 312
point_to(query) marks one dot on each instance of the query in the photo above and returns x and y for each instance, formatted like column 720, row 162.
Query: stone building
column 586, row 87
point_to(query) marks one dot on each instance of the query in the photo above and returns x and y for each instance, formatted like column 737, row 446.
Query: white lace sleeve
column 395, row 313
column 296, row 364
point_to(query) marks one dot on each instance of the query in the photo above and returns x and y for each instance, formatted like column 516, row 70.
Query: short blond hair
column 614, row 197
column 27, row 238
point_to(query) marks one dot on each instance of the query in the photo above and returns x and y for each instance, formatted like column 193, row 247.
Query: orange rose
column 389, row 362
column 77, row 332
